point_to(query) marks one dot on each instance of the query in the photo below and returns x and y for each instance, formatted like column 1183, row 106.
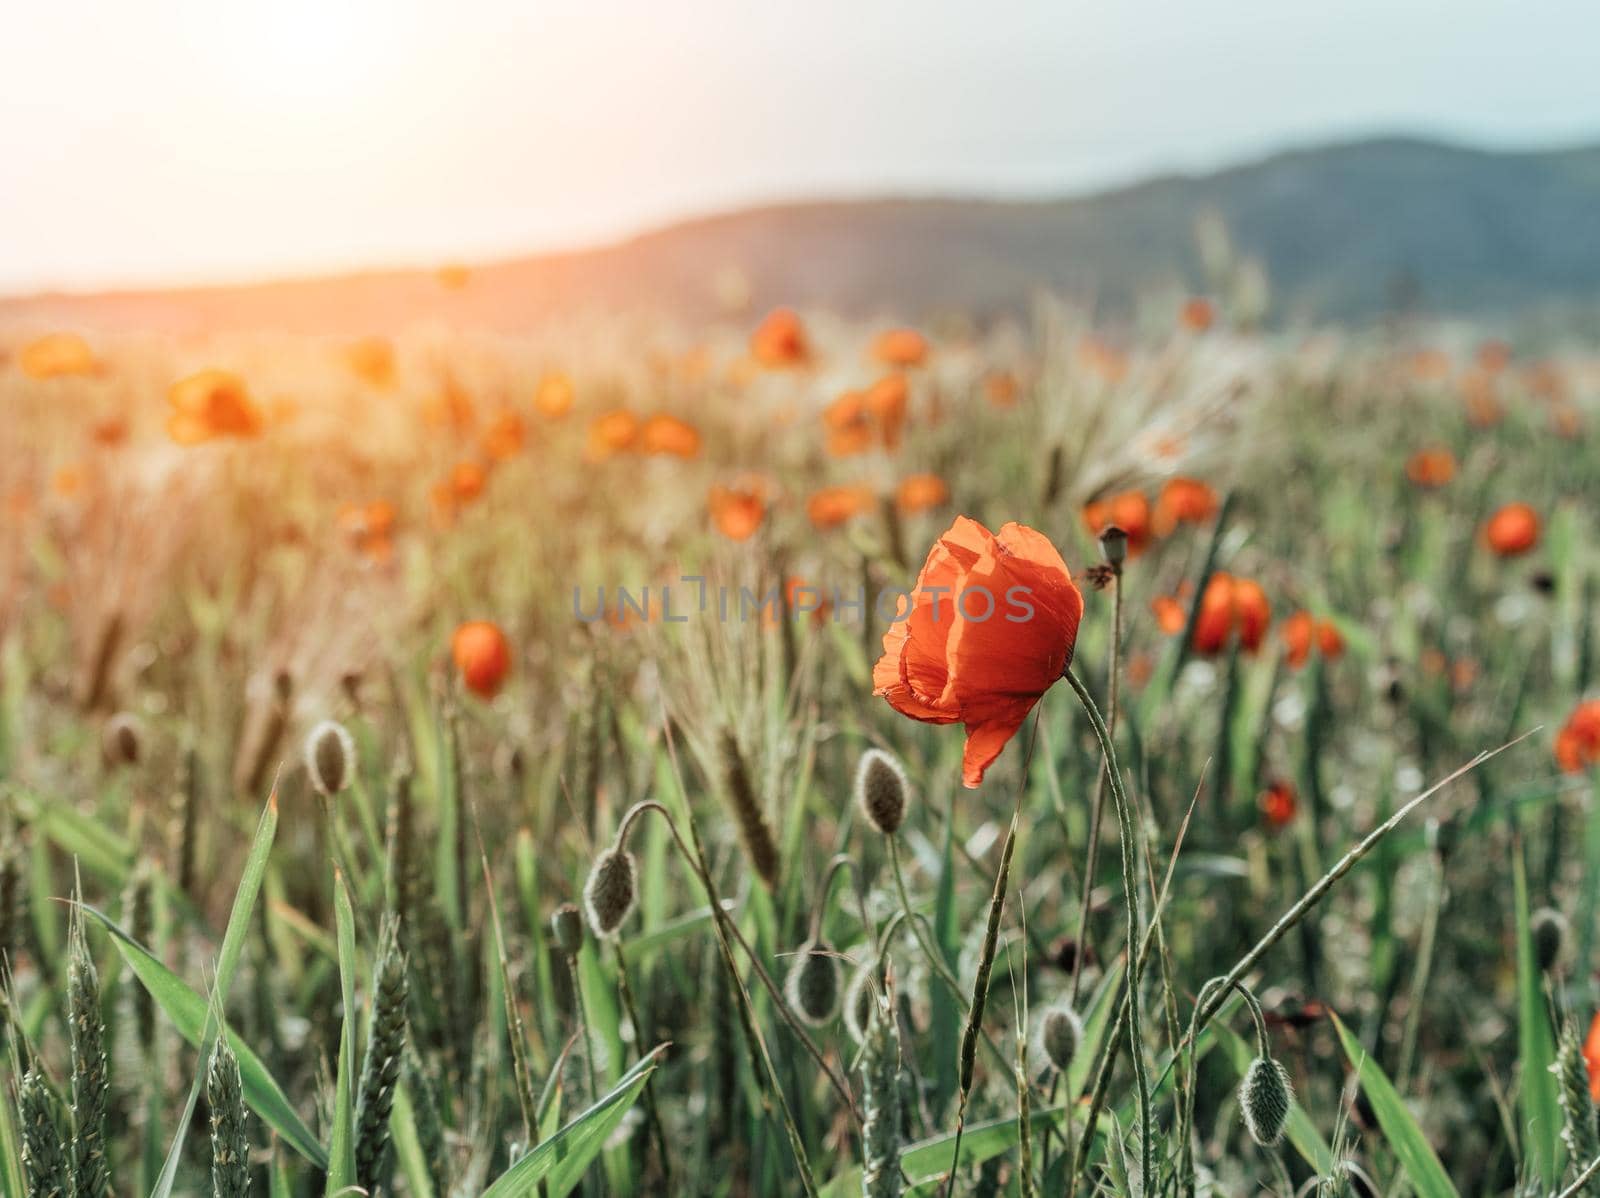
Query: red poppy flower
column 1512, row 530
column 372, row 360
column 737, row 511
column 1129, row 511
column 1001, row 389
column 833, row 506
column 1231, row 606
column 1433, row 467
column 210, row 404
column 614, row 432
column 1278, row 805
column 483, row 657
column 504, row 438
column 886, row 399
column 900, row 348
column 554, row 396
column 988, row 629
column 1302, row 632
column 780, row 341
column 1591, row 1056
column 1169, row 614
column 1578, row 742
column 57, row 355
column 1197, row 314
column 1184, row 501
column 919, row 492
column 669, row 436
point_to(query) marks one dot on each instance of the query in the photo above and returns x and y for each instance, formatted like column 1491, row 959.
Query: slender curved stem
column 1092, row 856
column 1130, row 895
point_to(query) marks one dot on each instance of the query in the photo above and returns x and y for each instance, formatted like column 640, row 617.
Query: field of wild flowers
column 799, row 757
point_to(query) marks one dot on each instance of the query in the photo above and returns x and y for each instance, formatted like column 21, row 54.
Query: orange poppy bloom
column 467, row 480
column 737, row 512
column 1129, row 511
column 1231, row 606
column 1566, row 421
column 554, row 396
column 668, row 436
column 364, row 523
column 67, row 481
column 900, row 348
column 1278, row 805
column 1482, row 398
column 1429, row 365
column 615, row 432
column 1578, row 742
column 451, row 408
column 833, row 506
column 1102, row 360
column 210, row 404
column 1183, row 501
column 801, row 598
column 1302, row 632
column 453, row 276
column 482, row 656
column 505, row 436
column 780, row 341
column 1493, row 356
column 57, row 355
column 1197, row 315
column 887, row 400
column 946, row 660
column 372, row 359
column 1169, row 614
column 110, row 432
column 919, row 492
column 849, row 425
column 1512, row 530
column 1432, row 467
column 1001, row 389
column 1591, row 1057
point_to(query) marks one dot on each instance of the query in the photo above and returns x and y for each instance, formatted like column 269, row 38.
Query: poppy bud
column 1114, row 545
column 1060, row 1033
column 812, row 985
column 122, row 739
column 1549, row 932
column 609, row 893
column 881, row 791
column 1264, row 1098
column 330, row 757
column 567, row 924
column 859, row 997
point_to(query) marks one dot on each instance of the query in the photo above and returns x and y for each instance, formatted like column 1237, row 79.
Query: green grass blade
column 188, row 1011
column 1541, row 1110
column 1410, row 1146
column 342, row 1149
column 408, row 1146
column 206, row 1020
column 561, row 1161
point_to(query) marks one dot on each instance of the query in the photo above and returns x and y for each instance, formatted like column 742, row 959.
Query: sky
column 216, row 140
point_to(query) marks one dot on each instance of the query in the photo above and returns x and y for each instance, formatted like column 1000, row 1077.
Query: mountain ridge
column 1344, row 231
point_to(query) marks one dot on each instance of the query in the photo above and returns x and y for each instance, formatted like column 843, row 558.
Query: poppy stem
column 1130, row 895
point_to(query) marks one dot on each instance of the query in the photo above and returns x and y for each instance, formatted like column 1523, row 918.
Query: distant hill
column 1343, row 231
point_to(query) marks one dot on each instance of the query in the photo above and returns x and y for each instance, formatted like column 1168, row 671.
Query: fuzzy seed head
column 1549, row 931
column 859, row 998
column 812, row 985
column 122, row 739
column 330, row 758
column 610, row 891
column 1264, row 1098
column 1114, row 545
column 882, row 791
column 1060, row 1032
column 566, row 922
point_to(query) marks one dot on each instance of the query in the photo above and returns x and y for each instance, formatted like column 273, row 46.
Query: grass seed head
column 1549, row 930
column 882, row 791
column 858, row 999
column 1060, row 1032
column 812, row 984
column 330, row 758
column 1264, row 1098
column 566, row 922
column 122, row 739
column 610, row 892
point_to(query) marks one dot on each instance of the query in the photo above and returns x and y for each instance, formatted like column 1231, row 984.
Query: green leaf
column 408, row 1146
column 1410, row 1146
column 561, row 1161
column 1541, row 1110
column 342, row 1150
